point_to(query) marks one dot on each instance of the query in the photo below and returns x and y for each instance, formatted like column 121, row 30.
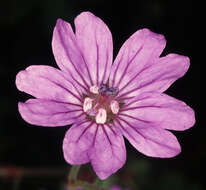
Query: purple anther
column 103, row 89
column 112, row 91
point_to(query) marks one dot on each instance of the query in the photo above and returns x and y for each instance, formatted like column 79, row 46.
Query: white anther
column 94, row 89
column 87, row 104
column 101, row 116
column 114, row 106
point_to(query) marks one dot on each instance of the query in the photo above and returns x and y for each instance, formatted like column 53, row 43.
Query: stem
column 88, row 186
column 74, row 183
column 73, row 173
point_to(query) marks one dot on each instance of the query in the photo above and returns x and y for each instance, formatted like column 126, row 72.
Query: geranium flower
column 106, row 101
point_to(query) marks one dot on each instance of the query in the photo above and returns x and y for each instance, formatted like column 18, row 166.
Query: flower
column 106, row 101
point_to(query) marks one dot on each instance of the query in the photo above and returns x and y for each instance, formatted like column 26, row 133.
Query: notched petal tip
column 60, row 24
column 151, row 34
column 175, row 151
column 190, row 120
column 182, row 61
column 59, row 21
column 20, row 77
column 186, row 62
column 23, row 112
column 84, row 15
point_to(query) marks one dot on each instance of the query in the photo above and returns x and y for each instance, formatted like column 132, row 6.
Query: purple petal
column 139, row 52
column 103, row 146
column 95, row 41
column 68, row 55
column 108, row 154
column 161, row 110
column 49, row 113
column 148, row 139
column 157, row 77
column 47, row 83
column 77, row 141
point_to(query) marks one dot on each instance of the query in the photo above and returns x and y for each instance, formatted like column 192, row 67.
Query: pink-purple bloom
column 106, row 101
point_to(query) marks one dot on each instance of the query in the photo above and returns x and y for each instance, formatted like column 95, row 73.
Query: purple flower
column 106, row 101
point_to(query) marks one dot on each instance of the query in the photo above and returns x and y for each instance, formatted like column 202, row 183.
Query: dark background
column 26, row 33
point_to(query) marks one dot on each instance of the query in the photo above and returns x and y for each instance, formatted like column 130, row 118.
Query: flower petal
column 49, row 113
column 77, row 141
column 68, row 55
column 100, row 144
column 95, row 41
column 161, row 110
column 47, row 83
column 158, row 77
column 148, row 139
column 140, row 51
column 108, row 153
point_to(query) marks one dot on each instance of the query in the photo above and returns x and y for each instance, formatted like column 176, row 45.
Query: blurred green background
column 26, row 33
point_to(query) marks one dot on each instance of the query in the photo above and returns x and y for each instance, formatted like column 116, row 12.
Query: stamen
column 87, row 104
column 114, row 106
column 100, row 103
column 111, row 91
column 103, row 88
column 101, row 116
column 94, row 89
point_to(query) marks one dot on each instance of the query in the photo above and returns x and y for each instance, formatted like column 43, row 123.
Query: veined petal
column 157, row 77
column 49, row 113
column 68, row 55
column 77, row 142
column 139, row 52
column 108, row 153
column 148, row 139
column 46, row 82
column 101, row 145
column 95, row 41
column 161, row 110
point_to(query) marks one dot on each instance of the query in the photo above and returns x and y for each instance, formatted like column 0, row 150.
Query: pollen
column 101, row 116
column 94, row 89
column 87, row 104
column 114, row 106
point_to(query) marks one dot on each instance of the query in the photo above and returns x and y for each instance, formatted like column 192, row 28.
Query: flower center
column 101, row 105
